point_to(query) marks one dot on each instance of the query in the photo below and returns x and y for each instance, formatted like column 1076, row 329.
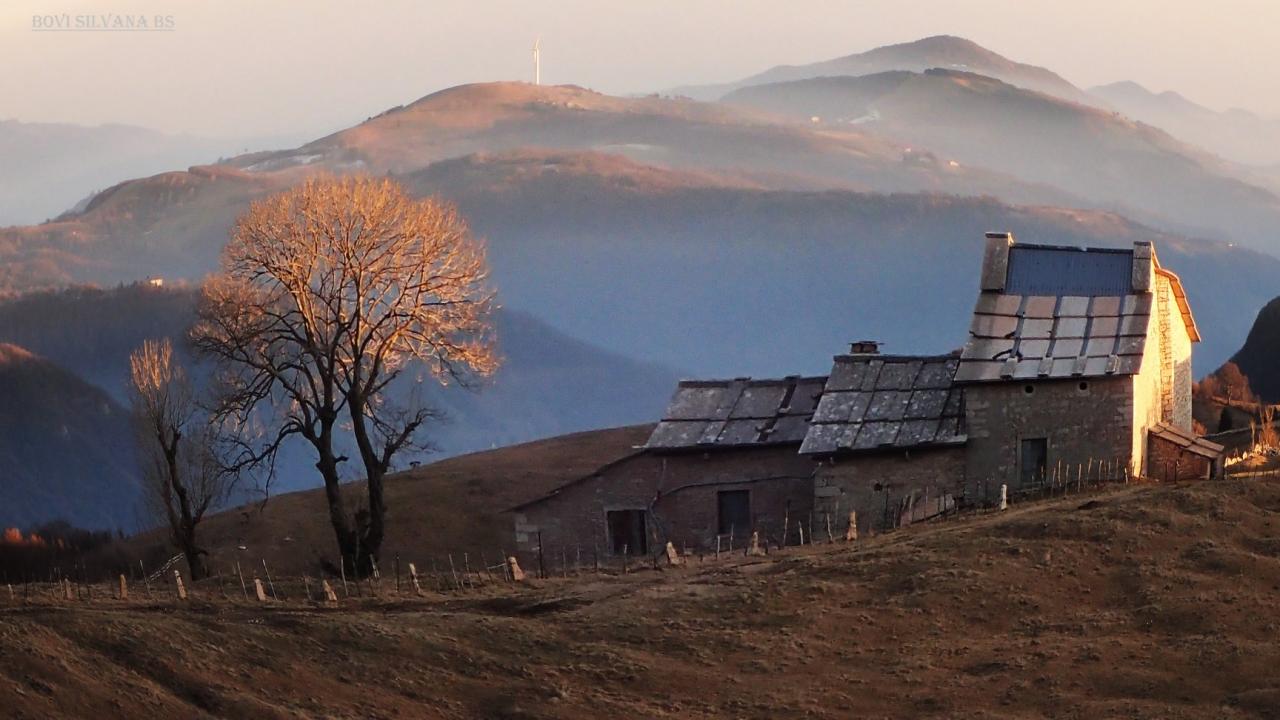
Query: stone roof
column 1190, row 442
column 1024, row 337
column 1049, row 311
column 737, row 413
column 874, row 402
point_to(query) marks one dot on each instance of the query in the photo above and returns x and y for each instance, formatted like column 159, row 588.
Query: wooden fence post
column 270, row 582
column 124, row 588
column 178, row 586
column 413, row 580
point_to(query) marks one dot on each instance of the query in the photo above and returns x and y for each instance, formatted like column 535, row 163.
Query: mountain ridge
column 937, row 51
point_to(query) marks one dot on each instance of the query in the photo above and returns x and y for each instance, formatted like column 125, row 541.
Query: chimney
column 864, row 347
column 1143, row 266
column 995, row 260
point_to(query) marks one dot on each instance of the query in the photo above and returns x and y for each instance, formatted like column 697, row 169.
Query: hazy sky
column 265, row 67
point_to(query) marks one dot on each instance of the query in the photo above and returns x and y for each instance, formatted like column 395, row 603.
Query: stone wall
column 1082, row 419
column 1168, row 461
column 875, row 485
column 678, row 492
column 1148, row 385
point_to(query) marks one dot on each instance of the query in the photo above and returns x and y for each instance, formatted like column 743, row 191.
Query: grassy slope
column 451, row 506
column 1143, row 602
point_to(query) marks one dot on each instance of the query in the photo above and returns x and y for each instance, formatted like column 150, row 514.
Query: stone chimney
column 1143, row 267
column 864, row 347
column 995, row 260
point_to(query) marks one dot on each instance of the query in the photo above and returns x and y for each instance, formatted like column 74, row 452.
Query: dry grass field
column 1137, row 602
column 452, row 506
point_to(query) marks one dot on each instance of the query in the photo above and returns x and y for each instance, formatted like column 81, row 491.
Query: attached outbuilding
column 722, row 464
column 888, row 436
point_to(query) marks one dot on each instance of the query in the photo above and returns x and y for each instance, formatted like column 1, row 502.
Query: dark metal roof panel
column 1058, row 271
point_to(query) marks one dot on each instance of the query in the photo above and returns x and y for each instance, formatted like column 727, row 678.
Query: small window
column 1083, row 386
column 1028, row 389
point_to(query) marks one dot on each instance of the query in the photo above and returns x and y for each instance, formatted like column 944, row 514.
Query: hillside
column 1142, row 602
column 51, row 167
column 939, row 51
column 1259, row 357
column 737, row 281
column 449, row 506
column 584, row 239
column 550, row 383
column 1235, row 134
column 174, row 224
column 66, row 449
column 1106, row 159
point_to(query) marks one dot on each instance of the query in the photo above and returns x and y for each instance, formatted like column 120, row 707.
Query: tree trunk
column 195, row 556
column 353, row 555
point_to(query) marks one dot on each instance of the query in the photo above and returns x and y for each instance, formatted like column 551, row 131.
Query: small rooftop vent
column 864, row 347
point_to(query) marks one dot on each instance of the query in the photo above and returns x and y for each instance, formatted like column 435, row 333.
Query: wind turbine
column 537, row 63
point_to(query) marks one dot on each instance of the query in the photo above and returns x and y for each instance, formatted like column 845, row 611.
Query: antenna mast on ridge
column 537, row 63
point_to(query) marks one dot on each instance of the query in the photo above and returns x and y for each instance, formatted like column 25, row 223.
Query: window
column 628, row 532
column 735, row 511
column 1034, row 459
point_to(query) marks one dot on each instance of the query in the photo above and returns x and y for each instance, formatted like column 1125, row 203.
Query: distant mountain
column 550, row 383
column 1259, row 357
column 940, row 51
column 91, row 331
column 1237, row 135
column 66, row 448
column 728, row 280
column 174, row 224
column 1110, row 161
column 50, row 168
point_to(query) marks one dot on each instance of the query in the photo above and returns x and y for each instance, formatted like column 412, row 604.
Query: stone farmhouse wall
column 1082, row 419
column 875, row 486
column 678, row 493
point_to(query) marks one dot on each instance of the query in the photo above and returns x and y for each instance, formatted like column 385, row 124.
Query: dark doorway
column 628, row 533
column 1035, row 457
column 735, row 511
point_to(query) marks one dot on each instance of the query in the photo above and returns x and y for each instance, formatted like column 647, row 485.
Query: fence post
column 1004, row 497
column 413, row 580
column 851, row 532
column 178, row 586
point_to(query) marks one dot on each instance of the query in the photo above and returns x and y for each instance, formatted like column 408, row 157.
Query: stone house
column 722, row 463
column 1075, row 357
column 889, row 439
column 1078, row 362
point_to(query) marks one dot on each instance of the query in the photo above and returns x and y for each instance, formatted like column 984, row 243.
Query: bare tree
column 182, row 476
column 327, row 294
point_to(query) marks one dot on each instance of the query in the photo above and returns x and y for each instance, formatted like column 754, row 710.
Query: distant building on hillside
column 1078, row 362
